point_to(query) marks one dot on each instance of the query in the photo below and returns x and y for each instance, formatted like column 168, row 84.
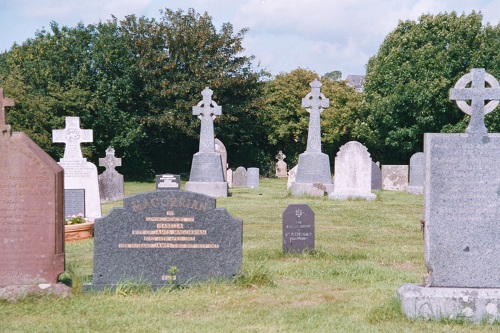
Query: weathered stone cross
column 207, row 113
column 110, row 162
column 280, row 156
column 72, row 136
column 316, row 102
column 478, row 94
column 3, row 103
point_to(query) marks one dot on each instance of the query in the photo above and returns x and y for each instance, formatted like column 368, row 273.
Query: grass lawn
column 364, row 251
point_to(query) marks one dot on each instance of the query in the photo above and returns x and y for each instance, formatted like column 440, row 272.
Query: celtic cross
column 207, row 110
column 72, row 136
column 316, row 102
column 110, row 162
column 3, row 103
column 478, row 94
column 280, row 156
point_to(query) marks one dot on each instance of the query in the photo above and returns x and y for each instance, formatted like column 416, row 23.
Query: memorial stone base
column 472, row 304
column 313, row 175
column 212, row 189
column 206, row 175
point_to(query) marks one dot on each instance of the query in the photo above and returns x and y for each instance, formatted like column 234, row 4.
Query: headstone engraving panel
column 156, row 231
column 74, row 202
column 111, row 185
column 298, row 228
column 168, row 182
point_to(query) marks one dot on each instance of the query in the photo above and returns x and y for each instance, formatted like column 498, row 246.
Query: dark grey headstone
column 376, row 177
column 158, row 230
column 168, row 182
column 74, row 202
column 298, row 228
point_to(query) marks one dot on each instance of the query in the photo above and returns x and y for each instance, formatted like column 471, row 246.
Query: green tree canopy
column 408, row 81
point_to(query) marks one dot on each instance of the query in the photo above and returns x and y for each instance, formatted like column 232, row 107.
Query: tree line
column 134, row 82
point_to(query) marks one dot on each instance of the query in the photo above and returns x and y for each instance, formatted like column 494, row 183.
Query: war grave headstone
column 221, row 149
column 281, row 167
column 376, row 177
column 240, row 177
column 253, row 177
column 229, row 178
column 31, row 216
column 157, row 231
column 298, row 228
column 168, row 181
column 394, row 177
column 206, row 175
column 461, row 200
column 78, row 172
column 313, row 170
column 353, row 173
column 111, row 186
column 291, row 177
column 417, row 167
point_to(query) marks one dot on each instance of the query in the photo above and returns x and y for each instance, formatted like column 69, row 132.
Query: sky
column 319, row 35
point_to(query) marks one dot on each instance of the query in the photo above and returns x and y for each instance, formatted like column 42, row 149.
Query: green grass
column 364, row 251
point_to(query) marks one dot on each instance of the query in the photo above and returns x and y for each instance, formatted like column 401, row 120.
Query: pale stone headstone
column 164, row 237
column 221, row 149
column 111, row 185
column 253, row 177
column 417, row 167
column 313, row 170
column 281, row 167
column 298, row 228
column 240, row 177
column 461, row 214
column 291, row 177
column 78, row 172
column 31, row 214
column 353, row 173
column 206, row 175
column 229, row 178
column 394, row 177
column 376, row 177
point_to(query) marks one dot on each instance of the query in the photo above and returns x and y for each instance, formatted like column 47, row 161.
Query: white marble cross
column 478, row 94
column 207, row 110
column 3, row 103
column 110, row 162
column 72, row 136
column 316, row 102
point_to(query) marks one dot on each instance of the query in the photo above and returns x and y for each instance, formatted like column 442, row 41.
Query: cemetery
column 217, row 236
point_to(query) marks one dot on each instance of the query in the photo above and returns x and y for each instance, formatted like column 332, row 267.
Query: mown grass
column 364, row 251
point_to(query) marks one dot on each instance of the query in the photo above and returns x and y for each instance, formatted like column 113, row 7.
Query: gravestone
column 168, row 182
column 31, row 214
column 240, row 177
column 78, row 173
column 416, row 185
column 291, row 177
column 376, row 177
column 394, row 177
column 111, row 186
column 313, row 170
column 206, row 175
column 298, row 228
column 281, row 168
column 353, row 173
column 461, row 200
column 253, row 177
column 229, row 178
column 221, row 149
column 159, row 232
column 74, row 202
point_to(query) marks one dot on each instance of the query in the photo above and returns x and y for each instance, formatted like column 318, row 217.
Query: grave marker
column 376, row 177
column 281, row 167
column 111, row 186
column 168, row 182
column 253, row 177
column 240, row 177
column 417, row 167
column 298, row 228
column 394, row 177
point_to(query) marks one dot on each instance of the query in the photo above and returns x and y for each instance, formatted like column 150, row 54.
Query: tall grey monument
column 461, row 200
column 313, row 170
column 206, row 175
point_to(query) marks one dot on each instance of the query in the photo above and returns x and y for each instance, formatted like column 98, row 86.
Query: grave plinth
column 461, row 200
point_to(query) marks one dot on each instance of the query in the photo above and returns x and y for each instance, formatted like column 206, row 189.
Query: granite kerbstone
column 158, row 230
column 376, row 177
column 394, row 177
column 253, row 177
column 353, row 172
column 298, row 228
column 416, row 185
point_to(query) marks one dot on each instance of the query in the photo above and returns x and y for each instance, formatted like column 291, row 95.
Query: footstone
column 376, row 177
column 164, row 237
column 240, row 177
column 168, row 182
column 394, row 177
column 253, row 177
column 416, row 185
column 353, row 171
column 298, row 228
column 111, row 185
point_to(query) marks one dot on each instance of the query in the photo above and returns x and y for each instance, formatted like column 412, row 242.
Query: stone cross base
column 313, row 175
column 215, row 190
column 472, row 304
column 352, row 195
column 206, row 167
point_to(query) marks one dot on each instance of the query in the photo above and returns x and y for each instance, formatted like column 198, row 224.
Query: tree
column 408, row 81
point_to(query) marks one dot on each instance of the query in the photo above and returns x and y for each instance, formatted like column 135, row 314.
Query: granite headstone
column 376, row 177
column 417, row 167
column 111, row 185
column 298, row 228
column 394, row 177
column 155, row 232
column 240, row 177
